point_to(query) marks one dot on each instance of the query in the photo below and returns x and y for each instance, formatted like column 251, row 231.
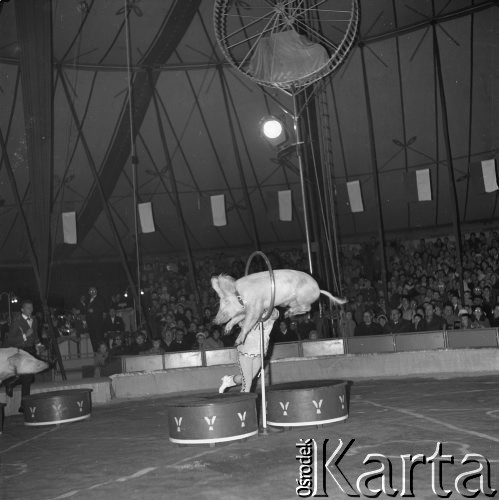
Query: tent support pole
column 104, row 201
column 299, row 155
column 178, row 206
column 133, row 156
column 223, row 84
column 450, row 165
column 374, row 164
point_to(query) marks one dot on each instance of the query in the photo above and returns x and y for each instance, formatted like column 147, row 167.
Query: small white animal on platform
column 244, row 300
column 14, row 361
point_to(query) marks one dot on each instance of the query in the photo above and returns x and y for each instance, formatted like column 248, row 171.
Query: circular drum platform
column 57, row 407
column 212, row 418
column 307, row 403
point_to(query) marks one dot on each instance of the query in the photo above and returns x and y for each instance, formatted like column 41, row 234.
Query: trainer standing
column 95, row 317
column 23, row 335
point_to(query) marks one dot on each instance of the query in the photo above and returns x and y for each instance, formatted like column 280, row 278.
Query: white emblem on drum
column 210, row 422
column 57, row 408
column 32, row 410
column 318, row 406
column 242, row 418
column 178, row 421
column 342, row 401
column 284, row 407
column 80, row 406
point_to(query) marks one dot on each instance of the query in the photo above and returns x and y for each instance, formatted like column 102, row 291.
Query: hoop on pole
column 262, row 340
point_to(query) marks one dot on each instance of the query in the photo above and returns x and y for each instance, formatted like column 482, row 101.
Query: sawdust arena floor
column 122, row 452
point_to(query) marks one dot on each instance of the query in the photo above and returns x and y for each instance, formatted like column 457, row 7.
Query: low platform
column 212, row 418
column 101, row 392
column 57, row 407
column 308, row 403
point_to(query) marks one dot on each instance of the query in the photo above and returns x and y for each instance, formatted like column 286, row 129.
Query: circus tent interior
column 108, row 105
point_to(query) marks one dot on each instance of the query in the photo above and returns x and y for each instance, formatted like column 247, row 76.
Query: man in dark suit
column 283, row 334
column 114, row 323
column 367, row 326
column 23, row 335
column 95, row 317
column 397, row 324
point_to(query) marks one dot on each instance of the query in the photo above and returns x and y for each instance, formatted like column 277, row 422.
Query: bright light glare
column 272, row 128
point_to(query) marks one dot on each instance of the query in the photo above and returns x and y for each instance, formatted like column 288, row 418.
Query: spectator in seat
column 113, row 323
column 206, row 315
column 358, row 309
column 304, row 327
column 139, row 345
column 479, row 320
column 465, row 321
column 382, row 320
column 168, row 339
column 405, row 308
column 431, row 322
column 100, row 358
column 180, row 344
column 214, row 340
column 397, row 324
column 118, row 348
column 200, row 340
column 456, row 304
column 487, row 301
column 347, row 324
column 367, row 326
column 284, row 334
column 156, row 347
column 417, row 322
column 451, row 319
column 494, row 322
column 313, row 335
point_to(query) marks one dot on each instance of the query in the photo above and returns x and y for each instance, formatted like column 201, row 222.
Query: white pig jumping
column 14, row 361
column 245, row 299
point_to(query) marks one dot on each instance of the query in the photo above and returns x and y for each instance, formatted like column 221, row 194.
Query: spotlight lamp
column 272, row 129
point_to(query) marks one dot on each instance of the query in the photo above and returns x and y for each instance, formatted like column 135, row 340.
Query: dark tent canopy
column 196, row 123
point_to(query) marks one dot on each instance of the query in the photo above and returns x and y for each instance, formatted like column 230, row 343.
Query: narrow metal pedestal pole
column 262, row 383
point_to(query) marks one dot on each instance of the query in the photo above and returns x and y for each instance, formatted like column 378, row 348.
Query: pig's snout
column 221, row 318
column 28, row 364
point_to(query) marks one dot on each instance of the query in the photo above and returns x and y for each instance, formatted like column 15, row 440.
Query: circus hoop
column 262, row 320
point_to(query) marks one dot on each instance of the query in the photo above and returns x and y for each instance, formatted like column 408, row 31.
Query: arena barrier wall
column 401, row 355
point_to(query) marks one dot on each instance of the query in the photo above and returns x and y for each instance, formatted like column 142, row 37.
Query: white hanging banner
column 218, row 210
column 69, row 227
column 285, row 205
column 489, row 175
column 423, row 181
column 146, row 219
column 355, row 196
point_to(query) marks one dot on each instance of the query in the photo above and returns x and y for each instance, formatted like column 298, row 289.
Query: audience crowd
column 422, row 293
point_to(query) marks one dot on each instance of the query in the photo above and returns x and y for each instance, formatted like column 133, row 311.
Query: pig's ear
column 224, row 285
column 216, row 286
column 227, row 285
